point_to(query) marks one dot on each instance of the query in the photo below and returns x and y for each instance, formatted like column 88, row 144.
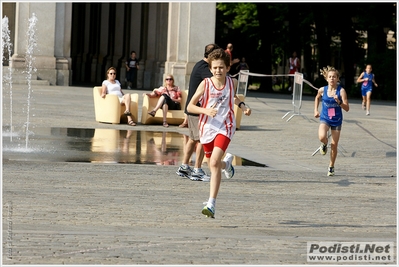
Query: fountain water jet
column 6, row 44
column 32, row 43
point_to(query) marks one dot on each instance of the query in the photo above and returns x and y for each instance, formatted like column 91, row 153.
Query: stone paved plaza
column 62, row 213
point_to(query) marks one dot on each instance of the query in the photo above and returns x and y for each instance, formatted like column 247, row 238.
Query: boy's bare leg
column 199, row 155
column 216, row 165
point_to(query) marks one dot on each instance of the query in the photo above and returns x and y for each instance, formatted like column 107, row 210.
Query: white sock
column 211, row 201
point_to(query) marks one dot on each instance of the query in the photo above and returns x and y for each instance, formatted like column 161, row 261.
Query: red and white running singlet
column 223, row 100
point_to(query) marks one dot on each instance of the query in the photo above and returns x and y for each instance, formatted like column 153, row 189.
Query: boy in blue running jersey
column 367, row 79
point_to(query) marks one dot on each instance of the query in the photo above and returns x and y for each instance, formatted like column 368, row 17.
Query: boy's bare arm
column 240, row 104
column 193, row 108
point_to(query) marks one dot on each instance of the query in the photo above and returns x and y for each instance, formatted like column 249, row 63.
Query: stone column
column 135, row 37
column 63, row 43
column 121, row 37
column 43, row 54
column 94, row 41
column 188, row 34
column 155, row 45
column 86, row 58
column 119, row 54
column 103, row 65
column 150, row 39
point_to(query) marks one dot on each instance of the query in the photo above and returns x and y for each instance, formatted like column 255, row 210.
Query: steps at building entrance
column 21, row 78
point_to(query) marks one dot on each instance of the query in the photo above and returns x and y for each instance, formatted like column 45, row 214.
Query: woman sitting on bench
column 112, row 86
column 170, row 98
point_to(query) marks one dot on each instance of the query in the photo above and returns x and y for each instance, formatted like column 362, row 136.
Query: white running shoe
column 229, row 171
column 199, row 175
column 184, row 171
column 209, row 211
column 206, row 178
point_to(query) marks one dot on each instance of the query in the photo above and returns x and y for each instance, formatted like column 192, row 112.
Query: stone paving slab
column 80, row 213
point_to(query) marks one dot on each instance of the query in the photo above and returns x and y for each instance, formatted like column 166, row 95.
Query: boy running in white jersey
column 217, row 122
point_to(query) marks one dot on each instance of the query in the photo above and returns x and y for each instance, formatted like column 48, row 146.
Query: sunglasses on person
column 169, row 79
column 112, row 73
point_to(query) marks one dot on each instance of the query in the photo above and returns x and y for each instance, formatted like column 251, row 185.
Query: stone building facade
column 78, row 42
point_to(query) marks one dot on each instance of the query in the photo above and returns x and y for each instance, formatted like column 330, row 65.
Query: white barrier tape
column 311, row 85
column 261, row 75
column 275, row 75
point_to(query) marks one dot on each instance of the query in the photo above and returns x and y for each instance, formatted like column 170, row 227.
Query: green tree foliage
column 244, row 15
column 322, row 33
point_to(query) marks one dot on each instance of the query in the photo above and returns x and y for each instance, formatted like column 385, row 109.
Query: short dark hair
column 209, row 48
column 219, row 54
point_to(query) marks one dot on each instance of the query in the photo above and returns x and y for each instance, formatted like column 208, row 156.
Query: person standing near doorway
column 243, row 65
column 229, row 50
column 294, row 65
column 132, row 65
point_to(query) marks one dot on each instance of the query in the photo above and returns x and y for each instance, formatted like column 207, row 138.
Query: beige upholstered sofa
column 238, row 111
column 173, row 117
column 109, row 109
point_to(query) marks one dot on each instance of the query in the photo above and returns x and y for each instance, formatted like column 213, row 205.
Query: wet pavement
column 101, row 146
column 83, row 192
